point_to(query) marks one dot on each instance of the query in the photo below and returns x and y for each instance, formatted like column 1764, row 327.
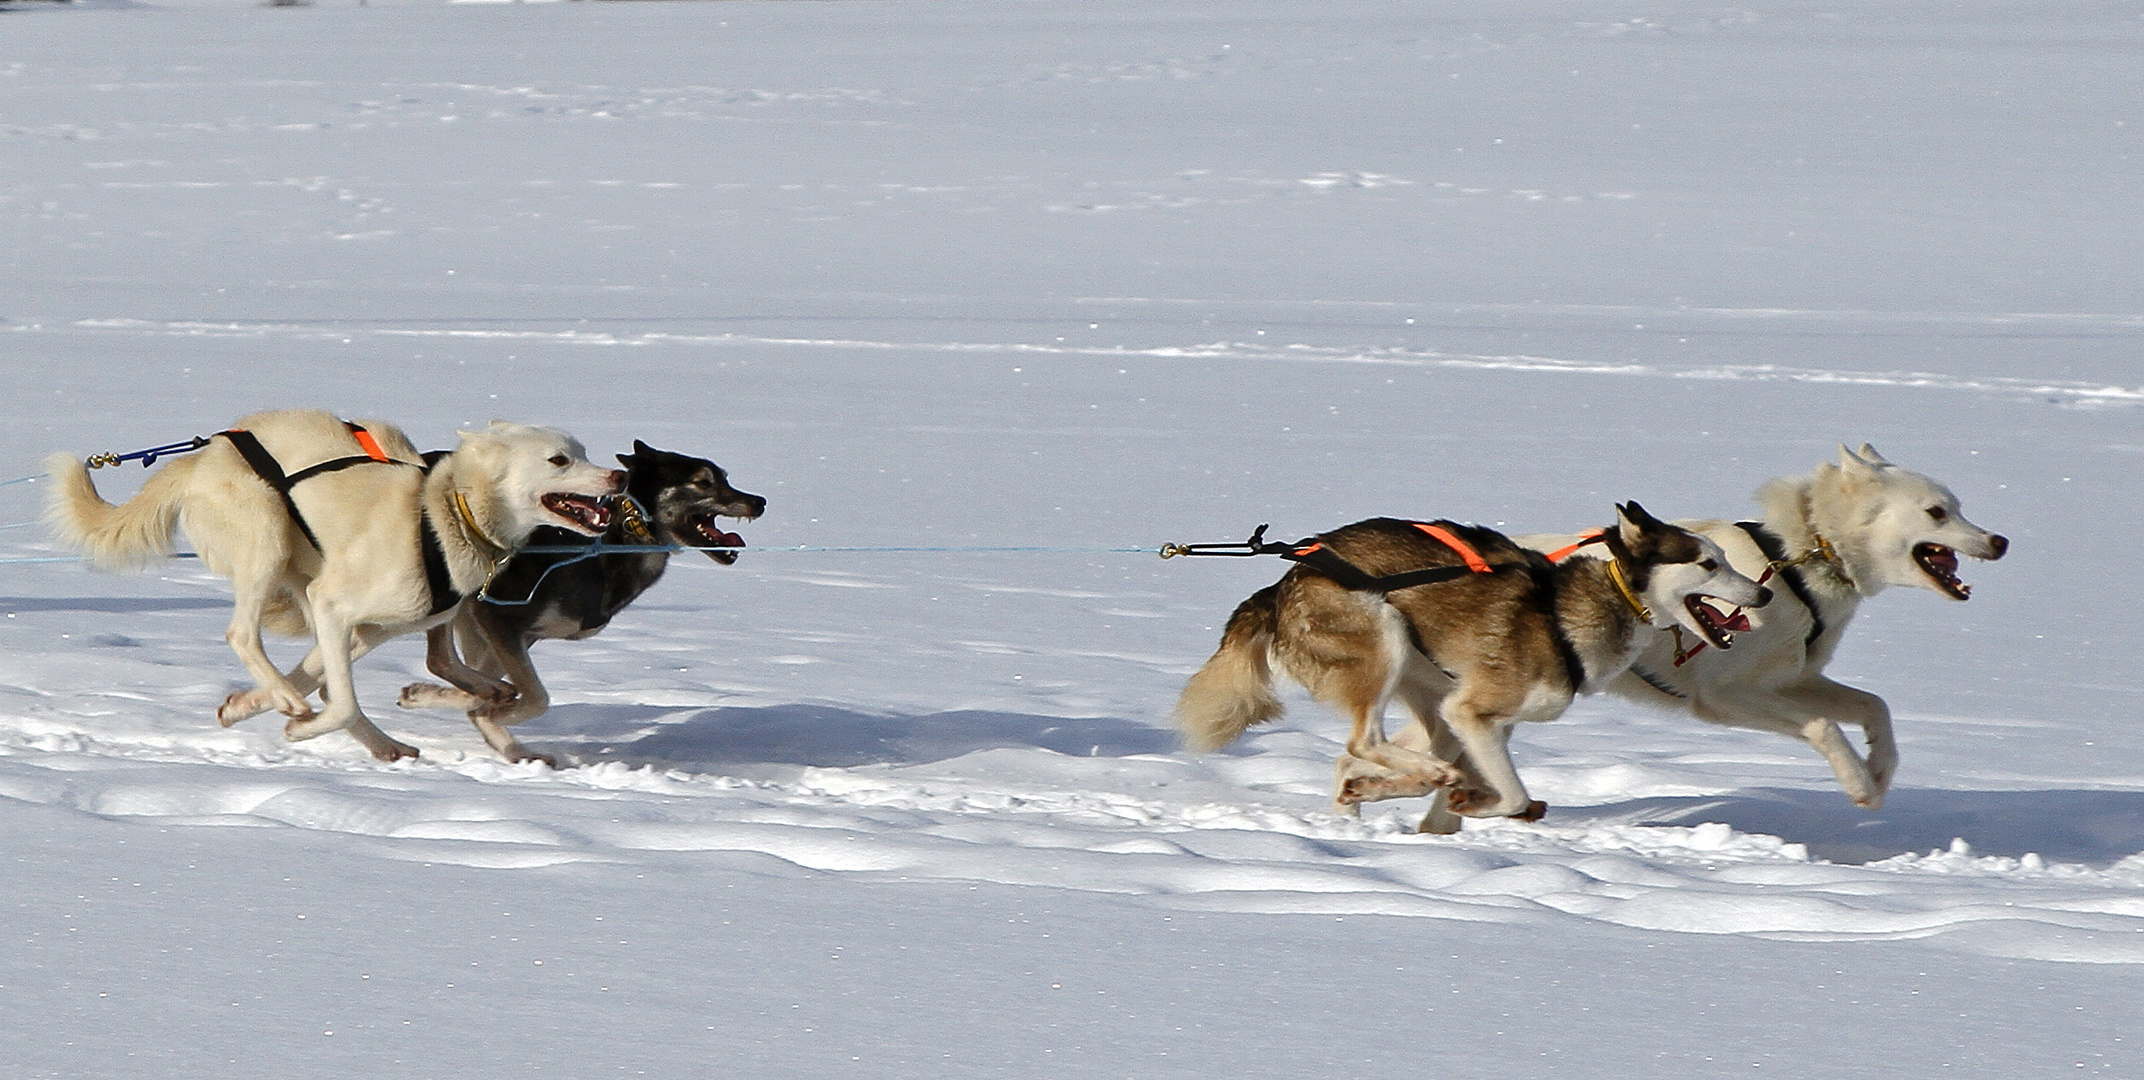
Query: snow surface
column 1098, row 276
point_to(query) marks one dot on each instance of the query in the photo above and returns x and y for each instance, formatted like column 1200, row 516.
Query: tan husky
column 337, row 529
column 1469, row 657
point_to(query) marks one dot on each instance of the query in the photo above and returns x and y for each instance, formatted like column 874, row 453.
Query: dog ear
column 643, row 448
column 1854, row 464
column 1869, row 454
column 625, row 460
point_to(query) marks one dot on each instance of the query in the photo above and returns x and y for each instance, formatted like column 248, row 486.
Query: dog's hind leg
column 1433, row 736
column 271, row 689
column 1375, row 767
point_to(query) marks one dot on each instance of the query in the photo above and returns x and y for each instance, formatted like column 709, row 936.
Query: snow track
column 1169, row 832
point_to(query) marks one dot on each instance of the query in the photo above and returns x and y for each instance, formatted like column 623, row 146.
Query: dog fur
column 367, row 582
column 1469, row 658
column 1883, row 526
column 493, row 679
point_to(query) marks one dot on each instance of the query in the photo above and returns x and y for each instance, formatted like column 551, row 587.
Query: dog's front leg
column 512, row 655
column 470, row 688
column 1844, row 704
column 337, row 644
column 1483, row 725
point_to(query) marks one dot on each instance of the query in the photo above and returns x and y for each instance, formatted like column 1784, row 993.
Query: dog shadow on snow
column 736, row 739
column 2091, row 827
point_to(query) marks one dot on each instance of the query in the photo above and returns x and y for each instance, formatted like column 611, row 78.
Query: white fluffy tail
column 122, row 537
column 1235, row 688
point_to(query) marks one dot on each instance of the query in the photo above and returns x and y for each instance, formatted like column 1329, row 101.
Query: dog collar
column 1630, row 596
column 636, row 525
column 461, row 508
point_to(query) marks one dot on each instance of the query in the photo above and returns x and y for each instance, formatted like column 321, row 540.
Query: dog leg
column 478, row 676
column 271, row 690
column 1483, row 726
column 1423, row 695
column 1812, row 714
column 1847, row 705
column 471, row 688
column 337, row 645
column 492, row 720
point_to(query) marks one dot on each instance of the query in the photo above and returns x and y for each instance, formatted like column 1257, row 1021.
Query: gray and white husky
column 1844, row 532
column 1471, row 656
column 353, row 555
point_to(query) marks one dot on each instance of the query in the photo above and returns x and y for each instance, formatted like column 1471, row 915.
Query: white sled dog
column 1505, row 637
column 339, row 529
column 1830, row 539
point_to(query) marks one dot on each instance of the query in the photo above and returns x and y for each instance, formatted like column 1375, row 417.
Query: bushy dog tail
column 123, row 537
column 1235, row 688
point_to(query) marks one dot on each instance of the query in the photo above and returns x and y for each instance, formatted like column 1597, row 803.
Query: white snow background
column 1094, row 275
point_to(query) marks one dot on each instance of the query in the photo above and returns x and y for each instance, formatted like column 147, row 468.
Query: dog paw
column 250, row 703
column 393, row 751
column 239, row 706
column 1534, row 811
column 506, row 713
column 434, row 696
column 1362, row 789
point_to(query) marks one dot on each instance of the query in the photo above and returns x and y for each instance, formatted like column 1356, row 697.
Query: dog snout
column 1764, row 596
column 745, row 505
column 1997, row 544
column 617, row 481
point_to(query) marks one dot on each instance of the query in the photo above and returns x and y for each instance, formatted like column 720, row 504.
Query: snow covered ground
column 1096, row 276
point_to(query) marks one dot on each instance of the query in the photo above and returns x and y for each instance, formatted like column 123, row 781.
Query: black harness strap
column 271, row 471
column 268, row 469
column 1769, row 543
column 436, row 575
column 437, row 578
column 1327, row 562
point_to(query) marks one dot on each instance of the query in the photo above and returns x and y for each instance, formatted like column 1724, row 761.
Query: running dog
column 337, row 529
column 545, row 595
column 1834, row 537
column 1469, row 656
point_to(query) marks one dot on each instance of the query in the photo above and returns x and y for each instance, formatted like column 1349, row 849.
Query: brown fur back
column 1235, row 689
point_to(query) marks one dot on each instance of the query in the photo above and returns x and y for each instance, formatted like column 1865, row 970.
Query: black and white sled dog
column 1512, row 641
column 1844, row 532
column 543, row 595
column 340, row 530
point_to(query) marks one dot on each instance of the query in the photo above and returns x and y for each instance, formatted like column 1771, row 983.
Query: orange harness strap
column 1590, row 536
column 368, row 444
column 1466, row 551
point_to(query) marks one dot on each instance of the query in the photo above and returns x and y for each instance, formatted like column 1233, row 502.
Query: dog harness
column 439, row 581
column 1314, row 554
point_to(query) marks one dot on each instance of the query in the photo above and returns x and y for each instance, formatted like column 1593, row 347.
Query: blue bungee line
column 590, row 551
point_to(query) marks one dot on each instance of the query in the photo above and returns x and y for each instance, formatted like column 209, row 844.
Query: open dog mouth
column 586, row 513
column 703, row 533
column 1941, row 564
column 1719, row 628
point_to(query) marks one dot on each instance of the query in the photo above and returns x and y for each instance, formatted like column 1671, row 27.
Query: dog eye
column 561, row 460
column 1709, row 565
column 1938, row 513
